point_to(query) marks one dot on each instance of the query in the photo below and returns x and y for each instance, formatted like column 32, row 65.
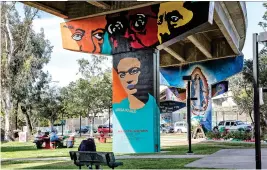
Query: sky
column 63, row 65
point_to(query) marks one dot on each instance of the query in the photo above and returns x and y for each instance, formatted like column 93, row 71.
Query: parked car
column 104, row 128
column 85, row 129
column 234, row 125
column 166, row 129
column 180, row 127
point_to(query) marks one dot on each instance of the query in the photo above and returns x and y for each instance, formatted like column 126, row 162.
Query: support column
column 135, row 108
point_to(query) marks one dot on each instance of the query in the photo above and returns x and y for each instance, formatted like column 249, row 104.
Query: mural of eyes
column 115, row 27
column 171, row 16
column 98, row 34
column 78, row 35
column 131, row 71
column 138, row 22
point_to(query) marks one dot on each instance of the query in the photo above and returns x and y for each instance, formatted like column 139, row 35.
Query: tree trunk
column 250, row 115
column 27, row 119
column 16, row 114
column 51, row 121
column 8, row 111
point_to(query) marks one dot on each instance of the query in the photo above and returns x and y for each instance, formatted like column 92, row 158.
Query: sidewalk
column 117, row 157
column 230, row 159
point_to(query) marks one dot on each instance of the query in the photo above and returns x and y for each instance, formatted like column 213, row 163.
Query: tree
column 242, row 85
column 50, row 104
column 91, row 94
column 23, row 55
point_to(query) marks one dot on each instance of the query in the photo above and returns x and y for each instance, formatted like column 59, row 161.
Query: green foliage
column 90, row 94
column 242, row 85
column 24, row 53
column 212, row 135
column 239, row 135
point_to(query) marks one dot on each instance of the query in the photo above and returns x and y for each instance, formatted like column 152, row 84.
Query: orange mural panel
column 118, row 92
column 85, row 35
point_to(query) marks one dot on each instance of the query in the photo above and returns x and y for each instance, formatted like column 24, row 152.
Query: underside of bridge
column 224, row 38
column 152, row 44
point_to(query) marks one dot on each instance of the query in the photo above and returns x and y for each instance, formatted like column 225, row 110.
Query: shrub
column 212, row 135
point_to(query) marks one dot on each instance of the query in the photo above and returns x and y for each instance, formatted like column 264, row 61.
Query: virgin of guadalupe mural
column 199, row 90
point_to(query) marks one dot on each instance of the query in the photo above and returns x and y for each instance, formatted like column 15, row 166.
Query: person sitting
column 54, row 138
column 39, row 139
column 88, row 145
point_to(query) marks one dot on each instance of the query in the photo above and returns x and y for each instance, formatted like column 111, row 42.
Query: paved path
column 231, row 159
column 119, row 157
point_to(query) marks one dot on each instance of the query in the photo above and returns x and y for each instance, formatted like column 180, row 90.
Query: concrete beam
column 225, row 24
column 99, row 4
column 174, row 54
column 202, row 43
column 46, row 8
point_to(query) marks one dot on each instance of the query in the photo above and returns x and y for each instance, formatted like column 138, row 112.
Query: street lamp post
column 188, row 105
column 262, row 37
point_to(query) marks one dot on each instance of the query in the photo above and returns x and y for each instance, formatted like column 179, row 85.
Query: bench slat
column 82, row 158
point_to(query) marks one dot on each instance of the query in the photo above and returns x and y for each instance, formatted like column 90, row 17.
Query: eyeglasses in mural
column 136, row 111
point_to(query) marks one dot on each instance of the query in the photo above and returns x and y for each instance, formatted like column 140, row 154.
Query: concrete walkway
column 231, row 159
column 119, row 157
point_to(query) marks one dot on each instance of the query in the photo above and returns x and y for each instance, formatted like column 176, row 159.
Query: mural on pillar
column 134, row 29
column 134, row 106
column 204, row 74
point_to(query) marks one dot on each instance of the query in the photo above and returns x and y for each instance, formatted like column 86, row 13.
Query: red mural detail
column 142, row 28
column 136, row 28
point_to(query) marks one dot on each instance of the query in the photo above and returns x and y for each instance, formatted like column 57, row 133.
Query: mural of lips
column 130, row 86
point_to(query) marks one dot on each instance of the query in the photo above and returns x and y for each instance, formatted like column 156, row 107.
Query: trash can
column 70, row 142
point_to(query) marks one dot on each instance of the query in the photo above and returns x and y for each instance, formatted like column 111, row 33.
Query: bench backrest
column 87, row 158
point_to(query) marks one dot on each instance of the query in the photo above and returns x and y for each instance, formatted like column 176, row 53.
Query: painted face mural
column 200, row 91
column 140, row 28
column 137, row 28
column 85, row 35
column 135, row 77
column 136, row 116
column 171, row 16
column 129, row 71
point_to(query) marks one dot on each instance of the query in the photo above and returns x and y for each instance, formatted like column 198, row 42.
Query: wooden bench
column 87, row 158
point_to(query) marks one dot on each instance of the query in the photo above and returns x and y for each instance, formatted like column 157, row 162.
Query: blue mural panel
column 204, row 74
column 219, row 88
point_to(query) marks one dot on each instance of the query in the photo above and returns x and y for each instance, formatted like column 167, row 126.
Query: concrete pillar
column 135, row 109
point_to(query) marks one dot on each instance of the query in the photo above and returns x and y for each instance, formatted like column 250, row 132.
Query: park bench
column 88, row 158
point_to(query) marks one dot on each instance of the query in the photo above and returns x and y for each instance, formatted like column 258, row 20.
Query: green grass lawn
column 127, row 164
column 206, row 148
column 28, row 150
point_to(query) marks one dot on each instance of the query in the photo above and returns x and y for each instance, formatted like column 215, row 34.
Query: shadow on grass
column 127, row 164
column 17, row 148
